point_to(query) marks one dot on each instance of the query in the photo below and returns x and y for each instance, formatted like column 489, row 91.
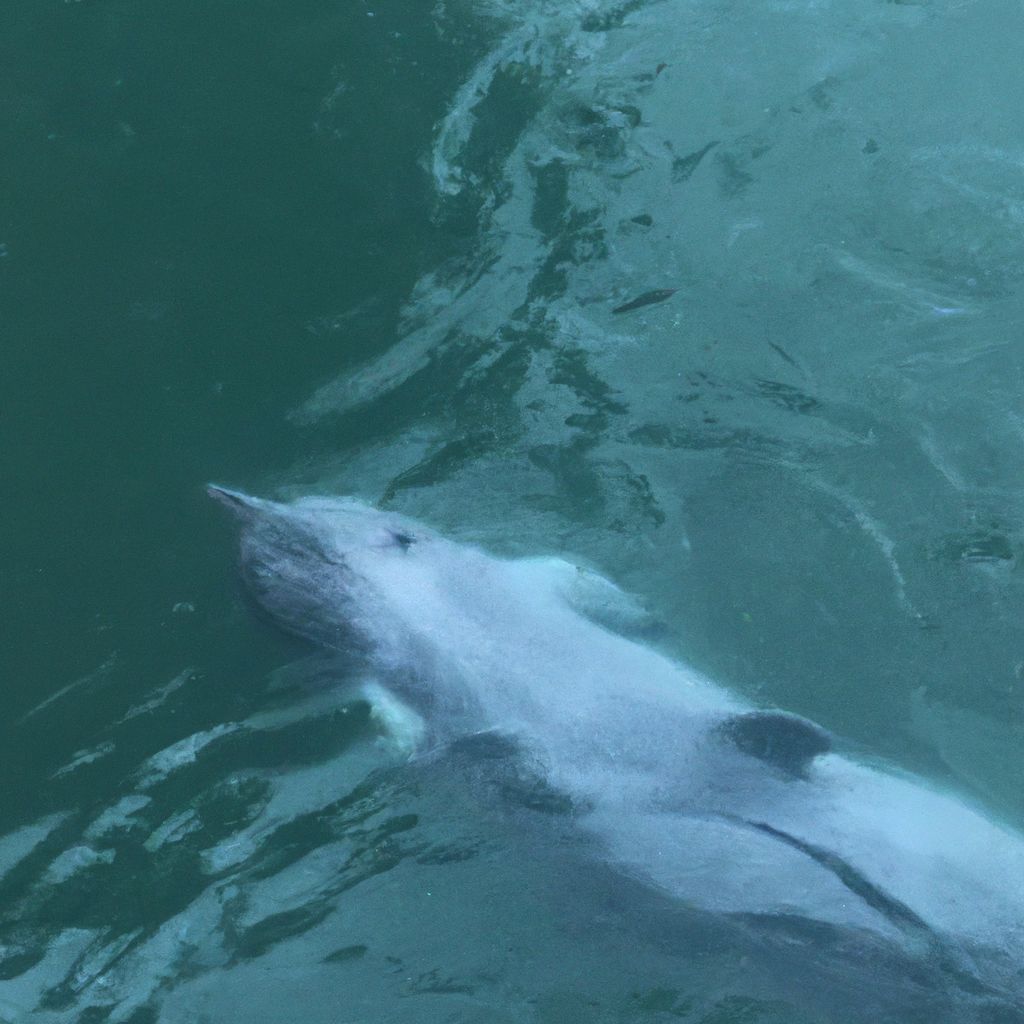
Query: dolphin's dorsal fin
column 787, row 742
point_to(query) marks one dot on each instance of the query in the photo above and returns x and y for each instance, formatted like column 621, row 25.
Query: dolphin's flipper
column 401, row 727
column 787, row 742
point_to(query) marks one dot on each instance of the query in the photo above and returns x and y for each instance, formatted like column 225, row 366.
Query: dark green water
column 173, row 222
column 375, row 249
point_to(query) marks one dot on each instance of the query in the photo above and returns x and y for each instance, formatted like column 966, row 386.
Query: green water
column 172, row 222
column 374, row 249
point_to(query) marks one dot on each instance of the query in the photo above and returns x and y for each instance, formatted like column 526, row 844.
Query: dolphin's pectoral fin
column 787, row 742
column 401, row 727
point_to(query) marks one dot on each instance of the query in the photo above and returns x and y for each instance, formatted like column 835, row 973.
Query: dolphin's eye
column 403, row 540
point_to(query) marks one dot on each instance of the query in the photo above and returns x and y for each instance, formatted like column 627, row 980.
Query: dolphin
column 731, row 808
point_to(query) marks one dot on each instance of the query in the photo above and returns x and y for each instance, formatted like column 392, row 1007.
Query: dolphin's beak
column 239, row 503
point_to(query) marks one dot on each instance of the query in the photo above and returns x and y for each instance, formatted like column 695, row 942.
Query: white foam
column 97, row 676
column 292, row 794
column 181, row 754
column 191, row 939
column 119, row 816
column 930, row 447
column 159, row 696
column 173, row 829
column 83, row 757
column 73, row 861
column 17, row 845
column 457, row 125
column 90, row 971
column 875, row 530
column 19, row 997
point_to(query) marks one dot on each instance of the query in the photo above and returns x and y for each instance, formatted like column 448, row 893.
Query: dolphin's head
column 335, row 570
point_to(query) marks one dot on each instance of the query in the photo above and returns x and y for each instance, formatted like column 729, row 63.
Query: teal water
column 375, row 249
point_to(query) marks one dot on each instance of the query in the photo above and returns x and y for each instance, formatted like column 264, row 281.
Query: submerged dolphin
column 730, row 808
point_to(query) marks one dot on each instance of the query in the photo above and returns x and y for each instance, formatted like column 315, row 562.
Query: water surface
column 377, row 249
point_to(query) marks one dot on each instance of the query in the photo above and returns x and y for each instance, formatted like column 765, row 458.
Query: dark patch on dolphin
column 784, row 741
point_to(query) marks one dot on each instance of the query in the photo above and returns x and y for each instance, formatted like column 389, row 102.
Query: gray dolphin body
column 727, row 807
